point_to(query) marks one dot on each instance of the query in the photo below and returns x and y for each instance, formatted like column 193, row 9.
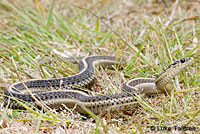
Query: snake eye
column 182, row 60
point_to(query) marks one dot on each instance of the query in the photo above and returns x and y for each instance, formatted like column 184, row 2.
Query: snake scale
column 61, row 92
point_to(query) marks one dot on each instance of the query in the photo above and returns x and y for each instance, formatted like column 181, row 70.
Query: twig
column 172, row 14
column 164, row 8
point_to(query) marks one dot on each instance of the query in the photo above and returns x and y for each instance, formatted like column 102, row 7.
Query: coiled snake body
column 57, row 93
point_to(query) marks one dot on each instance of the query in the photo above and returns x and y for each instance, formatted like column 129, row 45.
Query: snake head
column 180, row 64
column 172, row 70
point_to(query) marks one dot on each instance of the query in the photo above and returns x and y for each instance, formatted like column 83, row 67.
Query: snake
column 59, row 93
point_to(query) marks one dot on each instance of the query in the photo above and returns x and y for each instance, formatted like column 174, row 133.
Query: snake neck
column 142, row 86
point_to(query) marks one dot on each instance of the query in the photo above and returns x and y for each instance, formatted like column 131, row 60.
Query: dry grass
column 148, row 34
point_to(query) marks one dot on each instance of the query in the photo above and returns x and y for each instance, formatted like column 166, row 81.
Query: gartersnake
column 57, row 93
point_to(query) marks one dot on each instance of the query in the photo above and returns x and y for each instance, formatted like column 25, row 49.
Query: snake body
column 61, row 93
